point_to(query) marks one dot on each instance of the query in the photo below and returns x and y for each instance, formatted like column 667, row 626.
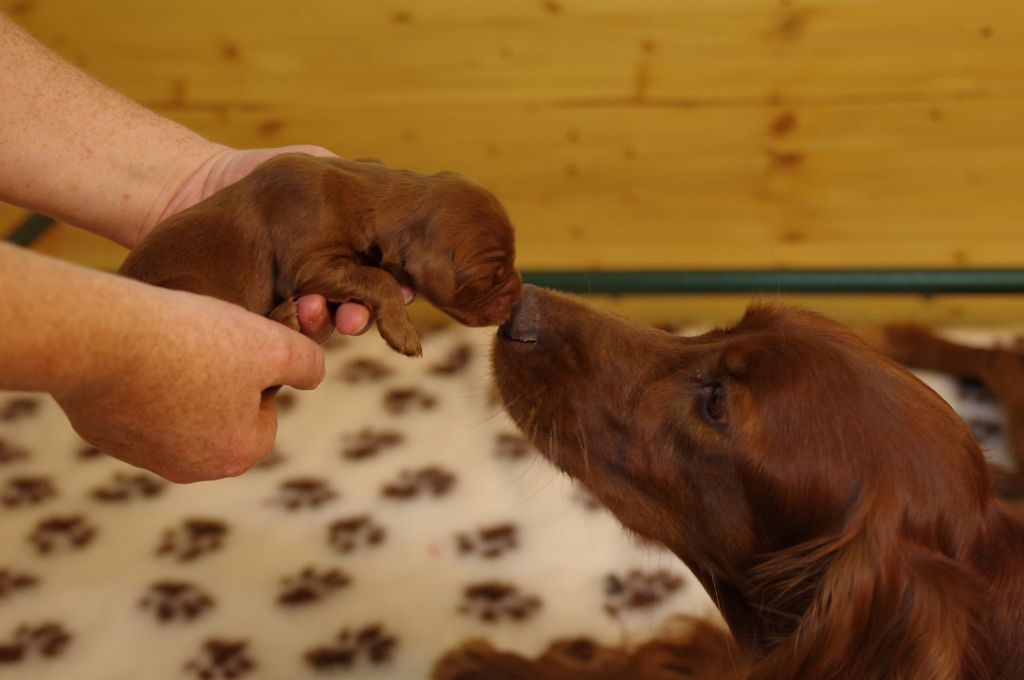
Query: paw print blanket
column 399, row 515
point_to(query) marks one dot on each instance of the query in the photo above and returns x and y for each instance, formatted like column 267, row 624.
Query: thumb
column 301, row 363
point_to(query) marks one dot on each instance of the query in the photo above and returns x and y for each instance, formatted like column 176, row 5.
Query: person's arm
column 166, row 380
column 76, row 150
column 63, row 134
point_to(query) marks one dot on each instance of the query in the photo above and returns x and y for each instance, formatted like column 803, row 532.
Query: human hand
column 227, row 166
column 187, row 402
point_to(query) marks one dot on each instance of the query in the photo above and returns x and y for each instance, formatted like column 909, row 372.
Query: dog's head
column 784, row 435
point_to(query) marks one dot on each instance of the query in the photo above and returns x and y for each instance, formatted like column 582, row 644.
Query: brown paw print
column 172, row 601
column 428, row 481
column 303, row 492
column 974, row 390
column 9, row 453
column 22, row 491
column 493, row 601
column 638, row 589
column 347, row 534
column 271, row 460
column 584, row 498
column 193, row 539
column 285, row 401
column 46, row 640
column 408, row 400
column 512, row 447
column 88, row 452
column 11, row 582
column 364, row 371
column 456, row 362
column 368, row 443
column 370, row 643
column 62, row 534
column 221, row 659
column 489, row 542
column 18, row 408
column 125, row 487
column 984, row 429
column 309, row 586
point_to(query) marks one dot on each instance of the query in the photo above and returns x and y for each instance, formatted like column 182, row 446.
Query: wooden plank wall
column 624, row 133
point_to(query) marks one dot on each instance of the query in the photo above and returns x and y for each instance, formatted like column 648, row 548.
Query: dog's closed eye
column 712, row 401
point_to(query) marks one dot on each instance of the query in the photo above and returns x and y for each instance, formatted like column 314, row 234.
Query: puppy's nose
column 524, row 324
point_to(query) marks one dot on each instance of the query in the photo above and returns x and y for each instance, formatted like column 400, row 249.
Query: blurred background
column 672, row 134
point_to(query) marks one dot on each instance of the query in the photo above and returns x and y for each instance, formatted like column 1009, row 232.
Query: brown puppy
column 837, row 510
column 347, row 230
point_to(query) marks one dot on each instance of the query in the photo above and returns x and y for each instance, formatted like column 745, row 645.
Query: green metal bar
column 873, row 281
column 30, row 229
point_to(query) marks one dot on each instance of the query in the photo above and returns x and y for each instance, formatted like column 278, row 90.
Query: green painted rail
column 814, row 281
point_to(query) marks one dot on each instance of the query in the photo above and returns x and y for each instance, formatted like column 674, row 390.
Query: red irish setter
column 836, row 509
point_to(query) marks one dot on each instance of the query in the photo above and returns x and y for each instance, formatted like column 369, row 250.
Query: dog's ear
column 926, row 597
column 432, row 271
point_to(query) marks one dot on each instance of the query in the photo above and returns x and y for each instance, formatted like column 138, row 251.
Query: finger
column 300, row 362
column 408, row 294
column 314, row 317
column 352, row 318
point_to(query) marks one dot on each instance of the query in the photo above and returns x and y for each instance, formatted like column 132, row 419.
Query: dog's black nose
column 524, row 324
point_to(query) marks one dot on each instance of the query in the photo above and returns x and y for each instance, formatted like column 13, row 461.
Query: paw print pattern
column 638, row 589
column 584, row 498
column 62, row 534
column 364, row 371
column 371, row 643
column 303, row 492
column 285, row 402
column 271, row 460
column 18, row 408
column 408, row 400
column 12, row 582
column 494, row 601
column 126, row 487
column 47, row 640
column 456, row 362
column 193, row 539
column 172, row 601
column 309, row 586
column 22, row 491
column 347, row 534
column 489, row 542
column 512, row 447
column 972, row 389
column 984, row 429
column 221, row 659
column 9, row 453
column 368, row 443
column 432, row 480
column 87, row 452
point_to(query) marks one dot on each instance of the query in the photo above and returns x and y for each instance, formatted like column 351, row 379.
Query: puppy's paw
column 401, row 335
column 287, row 313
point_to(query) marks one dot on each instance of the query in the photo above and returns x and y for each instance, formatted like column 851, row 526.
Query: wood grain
column 653, row 133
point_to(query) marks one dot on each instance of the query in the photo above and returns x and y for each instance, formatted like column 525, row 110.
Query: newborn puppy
column 347, row 230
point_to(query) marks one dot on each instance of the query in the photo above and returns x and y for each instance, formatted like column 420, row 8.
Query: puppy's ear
column 433, row 273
